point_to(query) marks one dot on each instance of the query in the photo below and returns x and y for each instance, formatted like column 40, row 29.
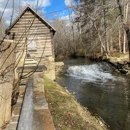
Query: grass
column 66, row 112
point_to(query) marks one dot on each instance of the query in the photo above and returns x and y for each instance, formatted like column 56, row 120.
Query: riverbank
column 117, row 60
column 67, row 113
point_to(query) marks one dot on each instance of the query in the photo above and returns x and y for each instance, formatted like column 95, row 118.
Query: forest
column 97, row 26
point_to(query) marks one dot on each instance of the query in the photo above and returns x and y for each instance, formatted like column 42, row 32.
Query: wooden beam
column 29, row 68
column 33, row 33
column 35, row 26
column 32, row 28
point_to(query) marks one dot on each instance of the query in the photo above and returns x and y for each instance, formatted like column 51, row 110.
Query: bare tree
column 3, row 26
column 65, row 43
column 124, row 9
column 107, row 17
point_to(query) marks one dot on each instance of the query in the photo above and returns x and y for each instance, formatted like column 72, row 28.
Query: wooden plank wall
column 29, row 26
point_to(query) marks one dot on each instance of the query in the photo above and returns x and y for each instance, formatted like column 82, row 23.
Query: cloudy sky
column 50, row 8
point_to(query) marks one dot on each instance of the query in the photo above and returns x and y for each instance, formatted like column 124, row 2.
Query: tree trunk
column 126, row 9
column 111, row 45
column 101, row 42
column 101, row 50
column 124, row 43
column 119, row 40
column 127, row 29
column 105, row 26
column 107, row 41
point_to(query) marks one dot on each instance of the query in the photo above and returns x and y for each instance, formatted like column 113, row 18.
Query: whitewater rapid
column 92, row 73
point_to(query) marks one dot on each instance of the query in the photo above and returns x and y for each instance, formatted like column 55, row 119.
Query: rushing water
column 101, row 90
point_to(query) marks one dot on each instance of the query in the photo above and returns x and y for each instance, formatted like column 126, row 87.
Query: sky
column 50, row 8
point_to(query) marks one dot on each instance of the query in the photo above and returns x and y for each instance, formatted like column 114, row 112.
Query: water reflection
column 101, row 90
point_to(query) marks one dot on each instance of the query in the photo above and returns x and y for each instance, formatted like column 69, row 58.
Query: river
column 104, row 92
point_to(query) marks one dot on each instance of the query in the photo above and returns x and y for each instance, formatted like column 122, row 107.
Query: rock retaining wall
column 6, row 81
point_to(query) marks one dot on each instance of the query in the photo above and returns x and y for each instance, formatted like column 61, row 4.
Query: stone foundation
column 50, row 72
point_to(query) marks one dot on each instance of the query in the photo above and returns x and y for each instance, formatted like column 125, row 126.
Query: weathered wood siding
column 28, row 27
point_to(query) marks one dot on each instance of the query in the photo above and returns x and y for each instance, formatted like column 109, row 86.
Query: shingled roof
column 28, row 8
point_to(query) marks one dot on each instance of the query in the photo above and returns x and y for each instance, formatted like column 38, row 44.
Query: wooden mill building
column 32, row 34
